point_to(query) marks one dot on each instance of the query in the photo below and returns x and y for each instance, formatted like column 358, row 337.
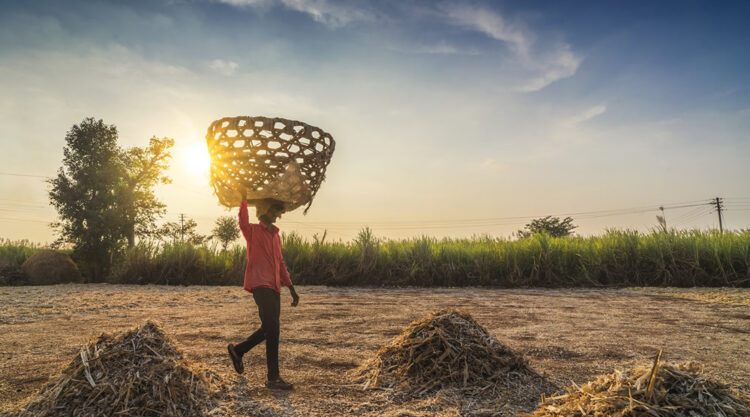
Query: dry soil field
column 566, row 334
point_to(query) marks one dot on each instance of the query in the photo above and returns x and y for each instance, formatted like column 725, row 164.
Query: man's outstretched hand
column 295, row 297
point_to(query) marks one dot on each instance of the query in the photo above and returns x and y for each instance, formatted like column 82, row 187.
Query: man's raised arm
column 245, row 220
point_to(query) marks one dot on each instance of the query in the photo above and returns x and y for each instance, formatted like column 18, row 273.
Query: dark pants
column 269, row 309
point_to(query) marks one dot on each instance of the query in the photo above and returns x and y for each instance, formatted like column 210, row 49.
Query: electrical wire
column 13, row 174
column 516, row 219
column 24, row 220
column 699, row 208
column 691, row 218
column 687, row 214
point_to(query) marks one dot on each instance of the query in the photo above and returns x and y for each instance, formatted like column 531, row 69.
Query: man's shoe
column 279, row 383
column 236, row 359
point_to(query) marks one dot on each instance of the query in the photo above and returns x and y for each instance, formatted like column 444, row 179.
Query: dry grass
column 446, row 349
column 567, row 335
column 139, row 372
column 662, row 390
column 711, row 295
column 448, row 352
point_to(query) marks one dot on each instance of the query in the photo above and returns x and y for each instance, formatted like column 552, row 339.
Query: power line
column 22, row 201
column 24, row 220
column 692, row 216
column 23, row 206
column 515, row 219
column 13, row 174
column 21, row 210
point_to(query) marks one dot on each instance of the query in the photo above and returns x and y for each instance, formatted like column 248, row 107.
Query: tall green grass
column 616, row 258
column 180, row 264
column 15, row 253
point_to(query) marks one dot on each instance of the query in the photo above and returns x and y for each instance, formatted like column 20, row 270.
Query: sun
column 197, row 161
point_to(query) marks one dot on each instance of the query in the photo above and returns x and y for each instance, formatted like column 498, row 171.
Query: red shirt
column 265, row 264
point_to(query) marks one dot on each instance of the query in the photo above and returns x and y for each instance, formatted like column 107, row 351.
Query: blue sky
column 443, row 111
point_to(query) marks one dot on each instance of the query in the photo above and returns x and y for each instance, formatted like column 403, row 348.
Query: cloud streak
column 439, row 48
column 584, row 116
column 548, row 65
column 491, row 24
column 333, row 15
column 223, row 67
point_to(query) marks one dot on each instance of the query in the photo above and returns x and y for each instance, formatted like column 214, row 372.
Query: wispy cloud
column 223, row 67
column 241, row 3
column 548, row 64
column 587, row 114
column 489, row 165
column 557, row 65
column 440, row 48
column 328, row 13
column 491, row 24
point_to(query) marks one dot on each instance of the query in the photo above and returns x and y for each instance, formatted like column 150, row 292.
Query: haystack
column 136, row 373
column 668, row 390
column 46, row 266
column 448, row 349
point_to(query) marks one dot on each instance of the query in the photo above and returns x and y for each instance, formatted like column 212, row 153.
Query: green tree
column 144, row 168
column 183, row 231
column 84, row 192
column 104, row 194
column 552, row 226
column 226, row 231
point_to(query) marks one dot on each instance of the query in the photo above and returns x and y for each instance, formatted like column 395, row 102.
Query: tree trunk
column 131, row 236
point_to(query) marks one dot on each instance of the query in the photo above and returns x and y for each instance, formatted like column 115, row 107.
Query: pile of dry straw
column 657, row 390
column 448, row 349
column 139, row 372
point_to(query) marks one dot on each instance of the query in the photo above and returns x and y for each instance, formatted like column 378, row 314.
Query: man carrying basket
column 279, row 164
column 265, row 273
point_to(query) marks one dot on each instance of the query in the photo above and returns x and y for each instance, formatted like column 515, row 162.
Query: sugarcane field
column 101, row 349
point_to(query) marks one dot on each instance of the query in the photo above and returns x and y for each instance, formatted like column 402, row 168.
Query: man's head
column 268, row 210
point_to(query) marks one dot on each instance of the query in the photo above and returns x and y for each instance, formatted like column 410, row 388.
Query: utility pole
column 718, row 203
column 182, row 227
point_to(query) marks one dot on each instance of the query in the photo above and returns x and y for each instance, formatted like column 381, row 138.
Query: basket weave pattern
column 264, row 157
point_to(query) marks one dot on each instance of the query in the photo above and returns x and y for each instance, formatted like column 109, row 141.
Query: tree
column 553, row 226
column 85, row 195
column 226, row 231
column 104, row 194
column 183, row 231
column 144, row 169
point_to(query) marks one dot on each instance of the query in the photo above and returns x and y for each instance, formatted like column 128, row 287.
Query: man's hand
column 295, row 297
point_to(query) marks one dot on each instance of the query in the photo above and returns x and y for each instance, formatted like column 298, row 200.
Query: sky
column 451, row 118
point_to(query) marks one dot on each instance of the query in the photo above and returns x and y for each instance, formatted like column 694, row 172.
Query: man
column 264, row 274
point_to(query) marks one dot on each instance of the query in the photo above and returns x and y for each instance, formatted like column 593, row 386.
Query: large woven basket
column 263, row 157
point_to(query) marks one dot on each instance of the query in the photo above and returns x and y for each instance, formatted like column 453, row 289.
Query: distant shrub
column 12, row 275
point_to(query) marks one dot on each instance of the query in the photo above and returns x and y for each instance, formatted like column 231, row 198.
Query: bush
column 12, row 275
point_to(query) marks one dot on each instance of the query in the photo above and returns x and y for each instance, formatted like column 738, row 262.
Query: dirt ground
column 569, row 335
